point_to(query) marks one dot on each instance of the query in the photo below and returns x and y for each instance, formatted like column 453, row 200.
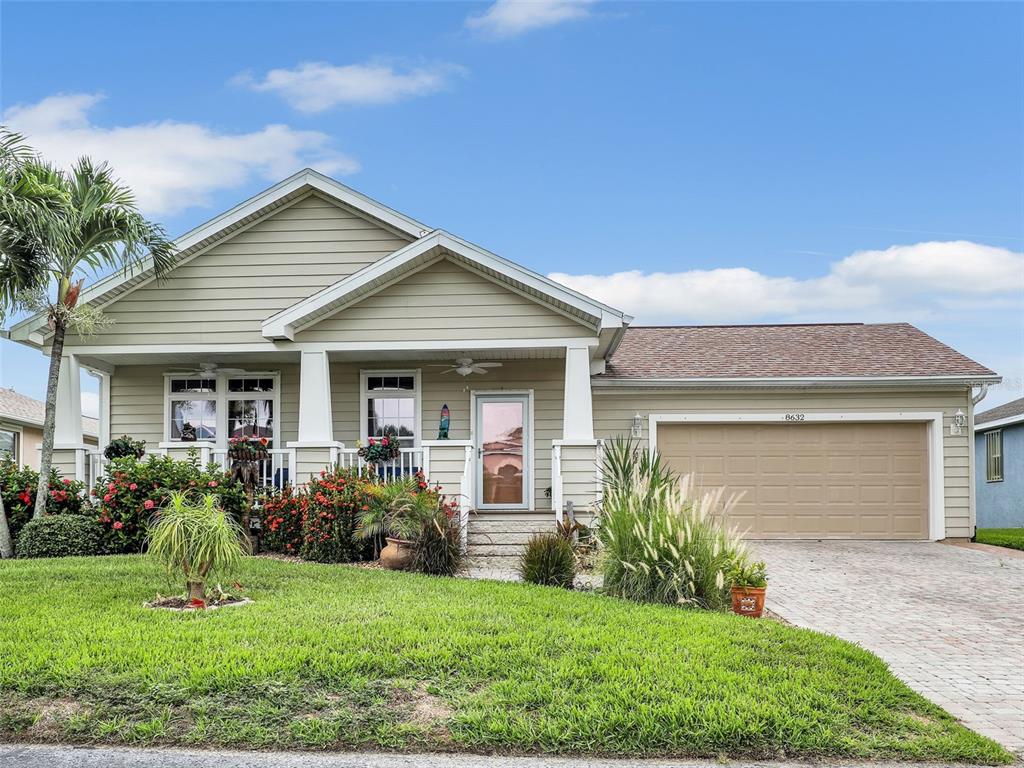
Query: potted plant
column 123, row 447
column 749, row 582
column 400, row 510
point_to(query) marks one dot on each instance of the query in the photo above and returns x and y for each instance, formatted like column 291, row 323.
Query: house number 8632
column 794, row 417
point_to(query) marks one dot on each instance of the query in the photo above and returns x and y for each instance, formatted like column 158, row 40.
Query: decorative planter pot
column 748, row 601
column 397, row 555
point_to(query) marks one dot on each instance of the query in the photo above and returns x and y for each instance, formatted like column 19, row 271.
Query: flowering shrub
column 283, row 515
column 131, row 490
column 18, row 486
column 336, row 502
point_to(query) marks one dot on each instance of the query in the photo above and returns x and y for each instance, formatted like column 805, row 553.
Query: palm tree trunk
column 50, row 421
column 6, row 545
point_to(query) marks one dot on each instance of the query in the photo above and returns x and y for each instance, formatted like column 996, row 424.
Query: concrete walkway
column 45, row 756
column 946, row 619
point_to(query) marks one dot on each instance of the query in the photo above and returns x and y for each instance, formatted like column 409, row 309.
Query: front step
column 504, row 534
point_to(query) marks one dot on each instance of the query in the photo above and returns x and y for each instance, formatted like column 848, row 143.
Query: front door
column 502, row 438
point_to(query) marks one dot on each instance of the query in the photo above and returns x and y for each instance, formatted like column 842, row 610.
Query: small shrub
column 18, row 486
column 124, row 447
column 60, row 536
column 748, row 574
column 193, row 536
column 549, row 560
column 439, row 542
column 131, row 490
column 283, row 515
column 336, row 502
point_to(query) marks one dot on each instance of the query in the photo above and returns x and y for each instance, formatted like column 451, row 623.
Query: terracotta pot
column 397, row 555
column 748, row 601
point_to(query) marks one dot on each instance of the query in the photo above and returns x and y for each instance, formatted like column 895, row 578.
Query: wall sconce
column 959, row 422
column 636, row 429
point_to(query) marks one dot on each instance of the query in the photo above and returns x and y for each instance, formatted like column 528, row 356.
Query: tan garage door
column 811, row 480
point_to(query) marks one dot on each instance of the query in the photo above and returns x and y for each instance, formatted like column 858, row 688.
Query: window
column 193, row 409
column 391, row 406
column 251, row 407
column 9, row 444
column 994, row 456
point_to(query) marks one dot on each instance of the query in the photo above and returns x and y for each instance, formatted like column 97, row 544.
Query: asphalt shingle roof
column 756, row 351
column 28, row 410
column 1004, row 411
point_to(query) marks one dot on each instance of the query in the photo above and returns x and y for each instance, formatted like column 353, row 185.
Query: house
column 999, row 455
column 317, row 317
column 21, row 428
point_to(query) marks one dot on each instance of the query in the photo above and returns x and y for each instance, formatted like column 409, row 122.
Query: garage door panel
column 817, row 480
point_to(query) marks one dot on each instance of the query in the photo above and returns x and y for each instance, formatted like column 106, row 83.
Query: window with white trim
column 994, row 456
column 9, row 444
column 391, row 405
column 193, row 409
column 251, row 407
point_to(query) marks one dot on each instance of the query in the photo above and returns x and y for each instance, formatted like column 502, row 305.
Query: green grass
column 1001, row 537
column 339, row 657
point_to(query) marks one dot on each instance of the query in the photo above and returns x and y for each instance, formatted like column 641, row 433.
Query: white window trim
column 221, row 397
column 417, row 395
column 531, row 490
column 988, row 458
column 936, row 462
column 19, row 441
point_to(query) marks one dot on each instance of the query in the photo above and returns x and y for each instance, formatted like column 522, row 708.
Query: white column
column 578, row 412
column 315, row 423
column 68, row 430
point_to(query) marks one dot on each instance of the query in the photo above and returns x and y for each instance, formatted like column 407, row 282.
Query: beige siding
column 224, row 294
column 545, row 377
column 614, row 412
column 447, row 464
column 65, row 462
column 579, row 479
column 441, row 302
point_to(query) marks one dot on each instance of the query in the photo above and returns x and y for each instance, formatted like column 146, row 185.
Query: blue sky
column 688, row 162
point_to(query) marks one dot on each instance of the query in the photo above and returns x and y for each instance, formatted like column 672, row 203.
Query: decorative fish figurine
column 446, row 418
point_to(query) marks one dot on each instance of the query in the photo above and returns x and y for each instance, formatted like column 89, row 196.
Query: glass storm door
column 502, row 441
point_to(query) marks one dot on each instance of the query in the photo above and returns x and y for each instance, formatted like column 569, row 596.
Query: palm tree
column 96, row 225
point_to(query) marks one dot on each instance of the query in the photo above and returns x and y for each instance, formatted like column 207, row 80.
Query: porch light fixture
column 959, row 422
column 637, row 427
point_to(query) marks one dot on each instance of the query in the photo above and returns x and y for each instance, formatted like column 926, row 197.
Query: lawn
column 1001, row 537
column 339, row 657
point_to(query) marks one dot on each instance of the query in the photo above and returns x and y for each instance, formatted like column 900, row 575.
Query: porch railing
column 275, row 472
column 408, row 462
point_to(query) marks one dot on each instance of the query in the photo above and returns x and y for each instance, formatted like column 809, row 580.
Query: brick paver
column 946, row 619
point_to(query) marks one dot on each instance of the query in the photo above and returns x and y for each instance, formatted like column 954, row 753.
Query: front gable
column 444, row 301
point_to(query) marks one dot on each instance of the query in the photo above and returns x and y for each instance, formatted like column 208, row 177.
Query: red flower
column 107, row 497
column 133, row 487
column 212, row 484
column 384, row 441
column 25, row 498
column 372, row 442
column 66, row 481
column 118, row 525
column 110, row 486
column 149, row 504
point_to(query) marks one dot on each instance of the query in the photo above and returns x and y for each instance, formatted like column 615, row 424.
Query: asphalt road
column 47, row 756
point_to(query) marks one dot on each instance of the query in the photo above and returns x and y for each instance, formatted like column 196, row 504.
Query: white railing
column 408, row 462
column 95, row 464
column 275, row 472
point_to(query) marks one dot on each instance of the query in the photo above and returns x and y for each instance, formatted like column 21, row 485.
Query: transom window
column 994, row 456
column 215, row 408
column 391, row 406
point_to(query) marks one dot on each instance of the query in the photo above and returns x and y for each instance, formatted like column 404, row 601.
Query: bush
column 18, row 486
column 131, row 490
column 60, row 536
column 335, row 504
column 548, row 560
column 283, row 515
column 124, row 447
column 439, row 542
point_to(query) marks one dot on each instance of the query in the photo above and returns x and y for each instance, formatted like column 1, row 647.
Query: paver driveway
column 946, row 619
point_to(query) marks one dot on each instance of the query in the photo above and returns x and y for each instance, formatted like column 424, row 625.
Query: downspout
column 976, row 397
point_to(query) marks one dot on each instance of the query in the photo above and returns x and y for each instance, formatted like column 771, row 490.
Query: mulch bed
column 180, row 603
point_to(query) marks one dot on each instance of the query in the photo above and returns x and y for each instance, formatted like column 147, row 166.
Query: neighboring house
column 21, row 427
column 999, row 448
column 317, row 317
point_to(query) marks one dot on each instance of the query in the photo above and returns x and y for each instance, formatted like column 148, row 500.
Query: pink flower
column 384, row 441
column 133, row 487
column 212, row 484
column 66, row 481
column 372, row 442
column 118, row 525
column 110, row 486
column 149, row 504
column 107, row 497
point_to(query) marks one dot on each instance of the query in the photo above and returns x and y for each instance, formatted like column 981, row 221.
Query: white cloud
column 508, row 18
column 316, row 86
column 171, row 165
column 90, row 404
column 904, row 282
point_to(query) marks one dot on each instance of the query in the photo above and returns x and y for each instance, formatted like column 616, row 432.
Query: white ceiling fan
column 211, row 369
column 465, row 366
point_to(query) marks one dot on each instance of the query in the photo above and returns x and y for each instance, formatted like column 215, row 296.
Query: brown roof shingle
column 22, row 408
column 756, row 351
column 1004, row 411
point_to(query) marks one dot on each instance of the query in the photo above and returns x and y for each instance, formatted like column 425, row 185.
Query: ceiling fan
column 211, row 369
column 465, row 366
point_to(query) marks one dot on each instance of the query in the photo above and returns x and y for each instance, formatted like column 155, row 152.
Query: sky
column 686, row 162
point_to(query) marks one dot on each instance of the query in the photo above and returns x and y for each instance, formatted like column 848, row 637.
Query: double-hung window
column 192, row 409
column 9, row 444
column 251, row 407
column 391, row 406
column 994, row 456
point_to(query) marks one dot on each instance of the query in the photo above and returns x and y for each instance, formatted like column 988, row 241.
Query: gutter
column 1003, row 422
column 793, row 381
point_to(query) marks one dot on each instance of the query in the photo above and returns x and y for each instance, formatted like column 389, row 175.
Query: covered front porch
column 518, row 440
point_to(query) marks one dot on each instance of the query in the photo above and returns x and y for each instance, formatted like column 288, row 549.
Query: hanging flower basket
column 379, row 451
column 248, row 449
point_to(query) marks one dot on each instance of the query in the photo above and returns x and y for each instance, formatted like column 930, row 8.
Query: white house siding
column 614, row 411
column 443, row 301
column 223, row 294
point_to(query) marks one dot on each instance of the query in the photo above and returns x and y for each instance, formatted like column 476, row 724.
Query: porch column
column 578, row 411
column 315, row 449
column 68, row 444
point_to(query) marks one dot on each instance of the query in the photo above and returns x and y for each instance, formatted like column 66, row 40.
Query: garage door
column 811, row 480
